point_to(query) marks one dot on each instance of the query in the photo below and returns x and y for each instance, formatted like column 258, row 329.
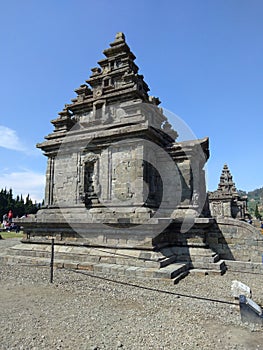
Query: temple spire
column 226, row 184
column 115, row 80
column 116, row 77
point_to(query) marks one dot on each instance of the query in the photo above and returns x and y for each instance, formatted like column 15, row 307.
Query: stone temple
column 122, row 191
column 225, row 201
column 113, row 163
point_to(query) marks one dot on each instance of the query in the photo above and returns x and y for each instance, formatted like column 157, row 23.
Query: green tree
column 18, row 205
column 257, row 213
column 30, row 208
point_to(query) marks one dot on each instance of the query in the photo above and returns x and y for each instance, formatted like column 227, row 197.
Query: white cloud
column 24, row 182
column 10, row 140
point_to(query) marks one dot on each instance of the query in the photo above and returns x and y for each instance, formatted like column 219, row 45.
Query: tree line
column 18, row 205
column 255, row 202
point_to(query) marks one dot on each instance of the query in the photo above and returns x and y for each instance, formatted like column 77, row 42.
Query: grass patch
column 12, row 234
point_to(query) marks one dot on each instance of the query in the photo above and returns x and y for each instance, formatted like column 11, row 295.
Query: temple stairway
column 200, row 258
column 170, row 263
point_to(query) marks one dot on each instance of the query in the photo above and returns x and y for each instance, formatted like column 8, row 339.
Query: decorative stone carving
column 90, row 157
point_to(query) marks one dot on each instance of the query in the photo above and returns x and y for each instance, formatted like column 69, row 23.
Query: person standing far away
column 10, row 216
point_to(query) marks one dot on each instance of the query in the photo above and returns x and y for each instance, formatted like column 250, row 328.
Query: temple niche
column 225, row 201
column 113, row 162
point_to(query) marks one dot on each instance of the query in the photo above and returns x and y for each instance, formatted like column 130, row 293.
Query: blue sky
column 203, row 59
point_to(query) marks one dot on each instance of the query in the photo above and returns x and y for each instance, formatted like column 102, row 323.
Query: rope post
column 52, row 261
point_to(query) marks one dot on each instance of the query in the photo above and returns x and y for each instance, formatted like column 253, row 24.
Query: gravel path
column 79, row 311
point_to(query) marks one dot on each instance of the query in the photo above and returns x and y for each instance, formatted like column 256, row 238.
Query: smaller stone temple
column 225, row 201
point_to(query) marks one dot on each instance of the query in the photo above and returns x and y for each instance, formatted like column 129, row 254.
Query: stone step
column 168, row 272
column 201, row 251
column 92, row 255
column 191, row 254
column 219, row 266
column 182, row 275
column 167, row 261
column 21, row 259
column 186, row 250
column 164, row 264
column 201, row 258
column 171, row 271
column 205, row 272
column 205, row 259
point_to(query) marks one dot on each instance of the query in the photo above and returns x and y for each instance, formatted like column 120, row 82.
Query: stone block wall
column 236, row 240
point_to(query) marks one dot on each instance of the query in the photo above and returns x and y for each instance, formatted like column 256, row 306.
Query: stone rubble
column 79, row 311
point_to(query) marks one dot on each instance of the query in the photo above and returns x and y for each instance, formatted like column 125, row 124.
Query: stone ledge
column 167, row 273
column 250, row 267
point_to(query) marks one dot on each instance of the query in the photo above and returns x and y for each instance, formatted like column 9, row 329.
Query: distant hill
column 255, row 199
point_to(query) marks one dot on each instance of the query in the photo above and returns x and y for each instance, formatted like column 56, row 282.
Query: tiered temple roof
column 115, row 80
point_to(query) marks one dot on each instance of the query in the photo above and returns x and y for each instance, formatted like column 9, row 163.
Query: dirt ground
column 80, row 311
